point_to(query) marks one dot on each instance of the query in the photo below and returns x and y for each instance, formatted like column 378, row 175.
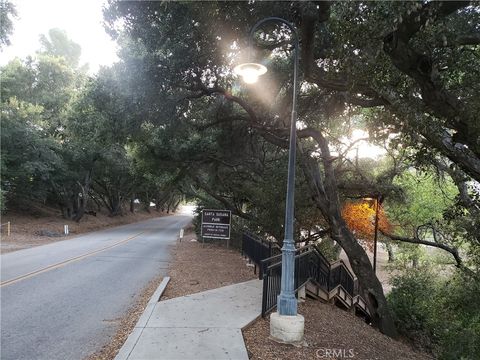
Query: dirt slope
column 330, row 333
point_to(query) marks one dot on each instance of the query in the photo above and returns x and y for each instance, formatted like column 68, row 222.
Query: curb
column 158, row 293
column 132, row 339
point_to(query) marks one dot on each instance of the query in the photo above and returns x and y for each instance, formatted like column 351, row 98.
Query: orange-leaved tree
column 360, row 218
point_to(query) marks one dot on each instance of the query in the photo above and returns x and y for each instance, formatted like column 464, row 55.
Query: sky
column 81, row 19
column 364, row 148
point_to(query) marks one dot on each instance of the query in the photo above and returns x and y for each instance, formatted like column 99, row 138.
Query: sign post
column 216, row 224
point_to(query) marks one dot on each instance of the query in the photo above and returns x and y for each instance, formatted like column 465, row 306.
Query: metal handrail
column 310, row 265
column 339, row 275
column 340, row 262
column 256, row 249
column 272, row 260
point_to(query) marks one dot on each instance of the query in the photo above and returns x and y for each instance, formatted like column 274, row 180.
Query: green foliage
column 177, row 59
column 29, row 157
column 329, row 249
column 425, row 199
column 438, row 313
column 171, row 120
column 409, row 255
column 410, row 300
column 59, row 45
column 66, row 137
column 48, row 81
column 37, row 95
column 7, row 12
column 177, row 54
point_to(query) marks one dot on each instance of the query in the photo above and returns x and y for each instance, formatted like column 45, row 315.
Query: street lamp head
column 250, row 71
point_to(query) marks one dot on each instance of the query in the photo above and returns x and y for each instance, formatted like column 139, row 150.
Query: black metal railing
column 272, row 275
column 310, row 265
column 339, row 275
column 265, row 263
column 257, row 249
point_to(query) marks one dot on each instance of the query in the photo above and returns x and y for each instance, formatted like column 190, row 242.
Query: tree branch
column 453, row 251
column 468, row 39
column 420, row 67
column 221, row 199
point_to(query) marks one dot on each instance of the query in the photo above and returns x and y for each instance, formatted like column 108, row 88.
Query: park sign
column 216, row 224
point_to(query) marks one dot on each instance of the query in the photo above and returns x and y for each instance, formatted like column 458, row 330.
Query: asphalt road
column 63, row 300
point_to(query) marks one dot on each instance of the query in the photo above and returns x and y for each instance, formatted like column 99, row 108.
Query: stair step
column 361, row 305
column 317, row 292
column 339, row 293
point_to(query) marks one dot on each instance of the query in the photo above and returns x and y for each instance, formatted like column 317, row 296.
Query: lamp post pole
column 286, row 301
column 375, row 236
column 286, row 325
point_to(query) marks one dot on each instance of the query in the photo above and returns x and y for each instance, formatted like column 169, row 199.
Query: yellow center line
column 65, row 262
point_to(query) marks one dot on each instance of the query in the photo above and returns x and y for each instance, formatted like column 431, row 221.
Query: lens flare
column 250, row 72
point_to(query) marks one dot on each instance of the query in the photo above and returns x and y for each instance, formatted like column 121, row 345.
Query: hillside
column 330, row 333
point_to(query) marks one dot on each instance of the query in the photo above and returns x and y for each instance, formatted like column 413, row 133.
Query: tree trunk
column 67, row 205
column 146, row 203
column 158, row 205
column 325, row 194
column 169, row 205
column 391, row 254
column 176, row 204
column 324, row 191
column 63, row 209
column 97, row 202
column 132, row 205
column 115, row 205
column 82, row 200
column 371, row 287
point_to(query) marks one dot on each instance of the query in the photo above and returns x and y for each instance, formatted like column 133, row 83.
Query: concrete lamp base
column 286, row 329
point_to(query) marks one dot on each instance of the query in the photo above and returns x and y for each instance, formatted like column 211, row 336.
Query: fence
column 257, row 249
column 310, row 265
column 340, row 275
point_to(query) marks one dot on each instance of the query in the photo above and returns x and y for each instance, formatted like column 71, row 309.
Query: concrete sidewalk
column 202, row 326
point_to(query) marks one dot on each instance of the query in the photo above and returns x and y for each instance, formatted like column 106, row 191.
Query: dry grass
column 198, row 267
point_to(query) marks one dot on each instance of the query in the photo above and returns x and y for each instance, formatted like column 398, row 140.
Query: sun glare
column 82, row 21
column 363, row 148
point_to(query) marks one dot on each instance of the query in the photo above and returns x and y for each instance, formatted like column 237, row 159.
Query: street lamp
column 285, row 325
column 250, row 71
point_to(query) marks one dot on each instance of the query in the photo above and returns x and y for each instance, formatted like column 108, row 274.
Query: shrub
column 408, row 302
column 438, row 314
